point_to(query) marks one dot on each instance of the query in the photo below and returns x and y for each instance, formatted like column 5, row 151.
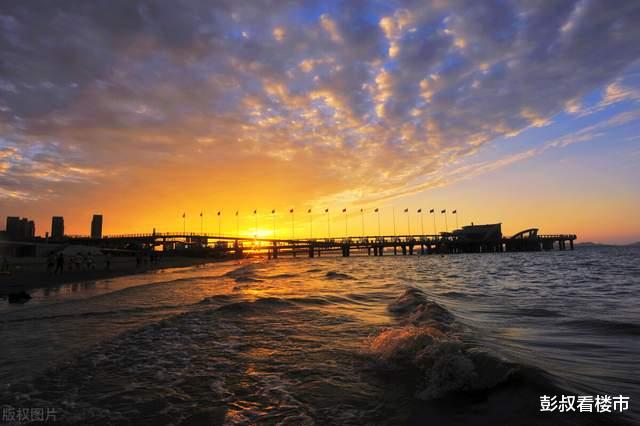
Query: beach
column 29, row 274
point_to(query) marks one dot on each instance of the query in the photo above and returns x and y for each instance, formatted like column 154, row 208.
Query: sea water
column 456, row 339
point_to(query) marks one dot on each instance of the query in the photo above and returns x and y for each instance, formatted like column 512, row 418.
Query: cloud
column 358, row 98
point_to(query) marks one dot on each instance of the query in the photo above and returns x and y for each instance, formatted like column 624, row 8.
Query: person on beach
column 107, row 261
column 59, row 263
column 51, row 261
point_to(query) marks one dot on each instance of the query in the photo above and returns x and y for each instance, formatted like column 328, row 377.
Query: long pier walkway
column 456, row 242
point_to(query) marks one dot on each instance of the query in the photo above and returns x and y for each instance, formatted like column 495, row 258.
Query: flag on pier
column 419, row 210
column 236, row 212
column 184, row 215
column 218, row 213
column 326, row 210
column 376, row 210
column 344, row 210
column 309, row 211
column 443, row 211
column 255, row 211
column 406, row 210
column 291, row 211
column 454, row 212
column 431, row 211
column 273, row 211
column 200, row 214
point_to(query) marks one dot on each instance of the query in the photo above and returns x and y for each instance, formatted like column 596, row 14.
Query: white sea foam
column 423, row 341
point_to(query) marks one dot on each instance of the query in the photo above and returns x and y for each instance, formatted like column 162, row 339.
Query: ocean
column 454, row 339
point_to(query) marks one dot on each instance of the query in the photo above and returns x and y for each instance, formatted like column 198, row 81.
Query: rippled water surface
column 461, row 339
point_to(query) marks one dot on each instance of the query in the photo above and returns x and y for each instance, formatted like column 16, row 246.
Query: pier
column 468, row 239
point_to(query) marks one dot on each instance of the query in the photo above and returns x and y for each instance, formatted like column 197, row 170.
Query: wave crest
column 414, row 308
column 423, row 345
column 333, row 275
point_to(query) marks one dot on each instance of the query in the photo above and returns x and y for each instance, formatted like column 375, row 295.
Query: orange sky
column 525, row 117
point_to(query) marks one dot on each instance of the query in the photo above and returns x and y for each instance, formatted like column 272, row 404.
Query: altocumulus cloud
column 370, row 96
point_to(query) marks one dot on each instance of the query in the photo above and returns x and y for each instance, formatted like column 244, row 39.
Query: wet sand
column 31, row 276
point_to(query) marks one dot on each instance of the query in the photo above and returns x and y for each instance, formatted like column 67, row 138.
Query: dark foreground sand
column 28, row 277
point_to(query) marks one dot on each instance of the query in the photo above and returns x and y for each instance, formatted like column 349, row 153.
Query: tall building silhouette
column 96, row 226
column 20, row 228
column 31, row 229
column 57, row 227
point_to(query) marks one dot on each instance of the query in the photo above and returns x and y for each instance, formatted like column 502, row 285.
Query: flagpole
column 408, row 222
column 293, row 227
column 362, row 215
column 456, row 213
column 446, row 225
column 435, row 230
column 219, row 226
column 273, row 216
column 201, row 223
column 255, row 214
column 394, row 221
column 328, row 224
column 237, row 224
column 421, row 222
column 346, row 227
column 310, row 223
column 184, row 223
column 379, row 232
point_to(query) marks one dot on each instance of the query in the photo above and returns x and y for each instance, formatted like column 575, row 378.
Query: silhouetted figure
column 138, row 259
column 59, row 263
column 51, row 261
column 107, row 261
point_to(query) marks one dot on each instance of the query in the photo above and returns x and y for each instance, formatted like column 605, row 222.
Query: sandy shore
column 34, row 275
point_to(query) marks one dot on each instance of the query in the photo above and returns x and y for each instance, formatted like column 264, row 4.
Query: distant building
column 13, row 227
column 57, row 227
column 20, row 229
column 491, row 232
column 96, row 226
column 31, row 230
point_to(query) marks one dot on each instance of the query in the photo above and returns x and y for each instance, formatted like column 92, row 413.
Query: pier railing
column 445, row 242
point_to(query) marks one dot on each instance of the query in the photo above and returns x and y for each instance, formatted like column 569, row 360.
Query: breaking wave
column 426, row 342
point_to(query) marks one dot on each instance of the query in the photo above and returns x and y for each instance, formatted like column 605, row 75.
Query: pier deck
column 454, row 242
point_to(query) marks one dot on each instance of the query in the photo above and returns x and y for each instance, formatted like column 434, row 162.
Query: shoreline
column 35, row 276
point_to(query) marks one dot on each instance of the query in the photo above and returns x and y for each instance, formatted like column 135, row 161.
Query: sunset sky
column 520, row 112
